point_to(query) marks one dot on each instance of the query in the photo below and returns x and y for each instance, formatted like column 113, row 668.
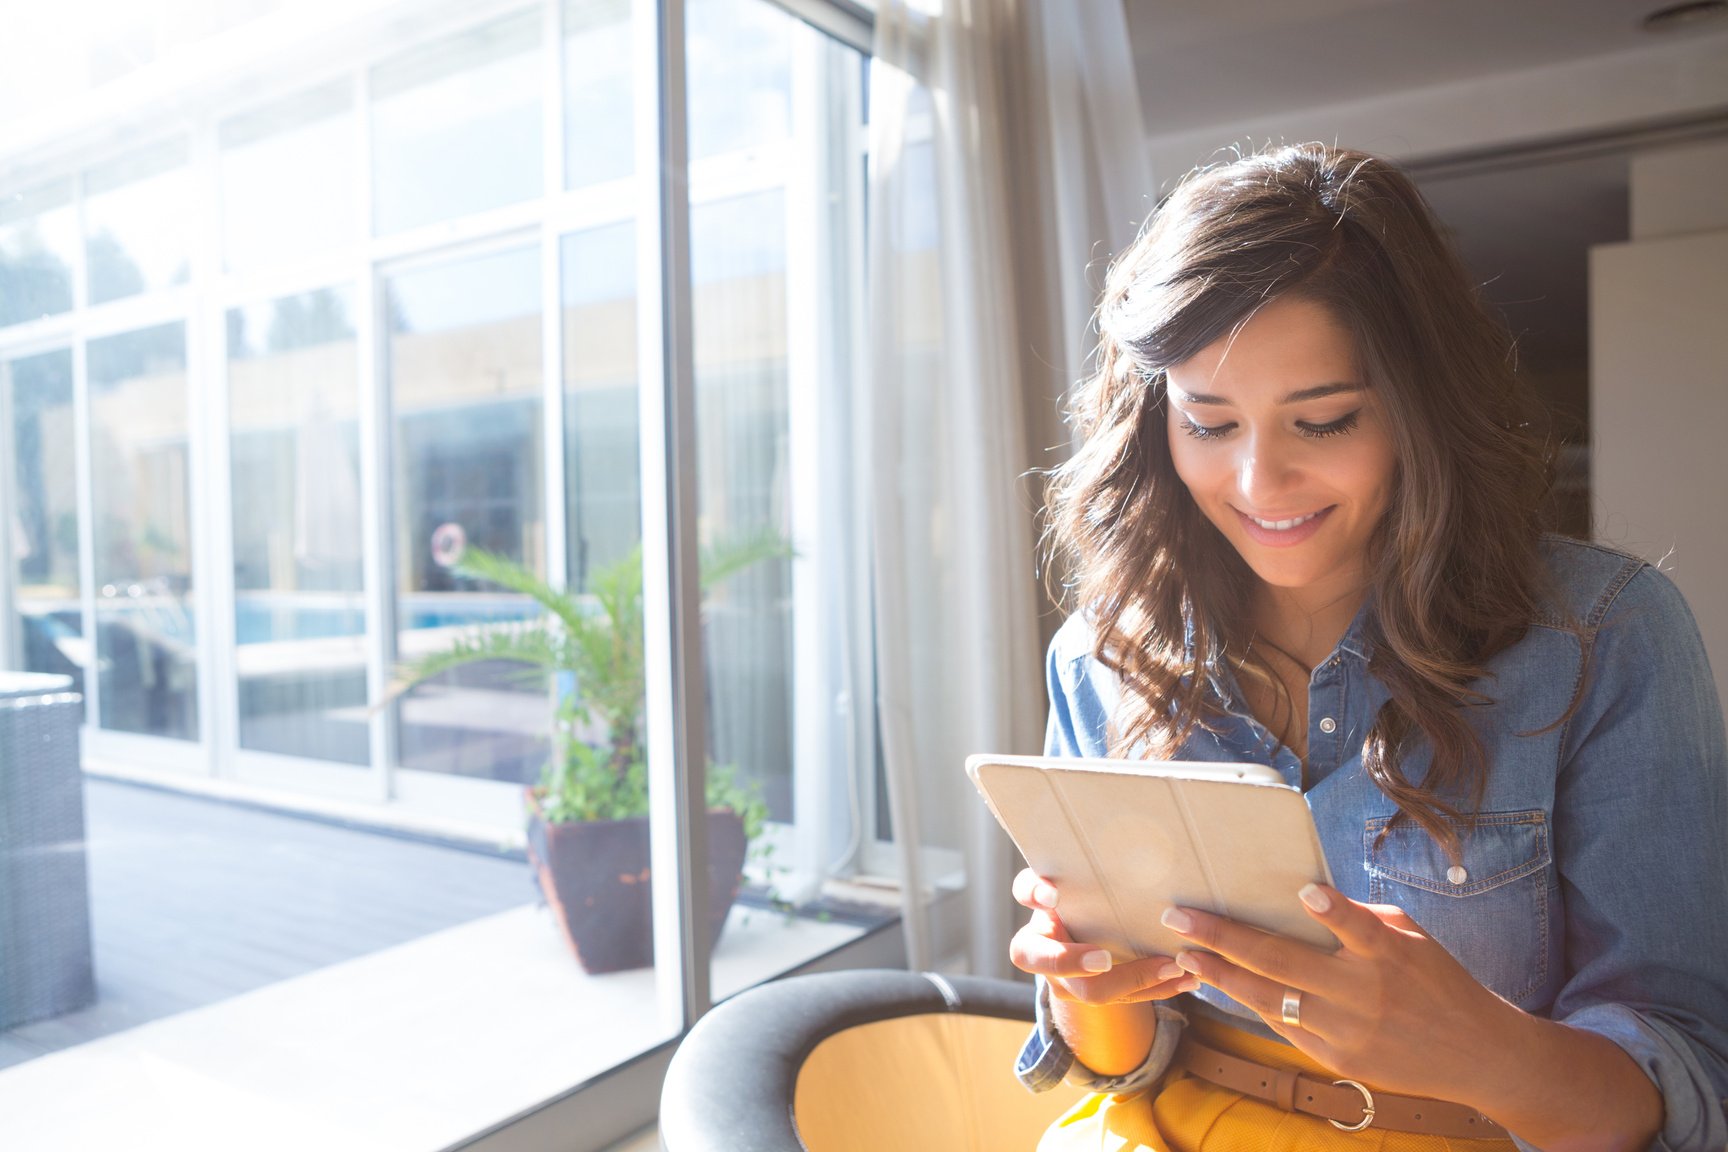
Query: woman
column 1304, row 529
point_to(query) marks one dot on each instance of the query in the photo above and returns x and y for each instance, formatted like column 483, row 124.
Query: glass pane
column 38, row 243
column 602, row 467
column 783, row 660
column 136, row 231
column 465, row 382
column 289, row 175
column 599, row 107
column 45, row 512
column 456, row 126
column 299, row 617
column 740, row 60
column 145, row 637
column 738, row 265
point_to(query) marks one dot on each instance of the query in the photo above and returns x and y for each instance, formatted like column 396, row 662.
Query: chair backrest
column 875, row 1059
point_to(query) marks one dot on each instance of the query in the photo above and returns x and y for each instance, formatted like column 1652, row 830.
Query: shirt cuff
column 1693, row 1116
column 1046, row 1060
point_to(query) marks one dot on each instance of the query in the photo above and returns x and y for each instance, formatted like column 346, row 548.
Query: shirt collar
column 1353, row 643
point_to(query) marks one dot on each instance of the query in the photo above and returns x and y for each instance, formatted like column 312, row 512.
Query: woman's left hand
column 1390, row 1007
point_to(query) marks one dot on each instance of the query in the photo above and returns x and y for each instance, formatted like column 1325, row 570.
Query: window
column 267, row 220
column 456, row 125
column 38, row 243
column 141, row 523
column 294, row 452
column 275, row 365
column 136, row 223
column 465, row 392
column 43, row 450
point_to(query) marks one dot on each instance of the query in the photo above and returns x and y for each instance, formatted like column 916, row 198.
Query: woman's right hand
column 1084, row 973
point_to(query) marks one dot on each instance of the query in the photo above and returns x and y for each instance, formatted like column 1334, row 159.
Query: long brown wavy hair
column 1454, row 568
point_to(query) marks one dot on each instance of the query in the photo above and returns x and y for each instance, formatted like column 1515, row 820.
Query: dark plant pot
column 596, row 878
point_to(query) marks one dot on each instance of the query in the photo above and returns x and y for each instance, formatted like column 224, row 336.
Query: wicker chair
column 871, row 1059
column 45, row 962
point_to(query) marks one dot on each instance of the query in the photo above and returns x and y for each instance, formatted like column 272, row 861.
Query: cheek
column 1373, row 478
column 1189, row 461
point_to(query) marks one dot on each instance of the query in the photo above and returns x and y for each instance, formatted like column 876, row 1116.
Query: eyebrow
column 1301, row 395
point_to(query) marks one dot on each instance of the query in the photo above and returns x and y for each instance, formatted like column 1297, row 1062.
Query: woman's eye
column 1336, row 428
column 1202, row 432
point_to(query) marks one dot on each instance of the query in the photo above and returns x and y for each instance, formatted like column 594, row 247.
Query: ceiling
column 1524, row 229
column 1204, row 62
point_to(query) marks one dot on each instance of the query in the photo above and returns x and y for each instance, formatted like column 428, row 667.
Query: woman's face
column 1284, row 448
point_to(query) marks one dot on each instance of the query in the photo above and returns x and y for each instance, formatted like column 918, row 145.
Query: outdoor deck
column 194, row 901
column 275, row 983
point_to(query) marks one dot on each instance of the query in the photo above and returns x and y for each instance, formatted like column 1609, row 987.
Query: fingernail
column 1188, row 962
column 1188, row 985
column 1045, row 894
column 1315, row 897
column 1177, row 920
column 1098, row 961
column 1170, row 971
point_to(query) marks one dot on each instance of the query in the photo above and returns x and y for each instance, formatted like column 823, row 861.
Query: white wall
column 1667, row 82
column 1659, row 382
column 1679, row 191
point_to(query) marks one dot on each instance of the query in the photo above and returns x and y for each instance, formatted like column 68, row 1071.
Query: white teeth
column 1282, row 525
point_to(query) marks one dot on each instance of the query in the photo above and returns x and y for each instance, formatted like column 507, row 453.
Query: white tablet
column 1123, row 840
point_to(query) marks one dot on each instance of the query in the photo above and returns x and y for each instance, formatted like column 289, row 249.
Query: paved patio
column 194, row 901
column 272, row 983
column 413, row 1049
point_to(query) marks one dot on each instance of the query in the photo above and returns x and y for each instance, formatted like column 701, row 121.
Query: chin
column 1295, row 577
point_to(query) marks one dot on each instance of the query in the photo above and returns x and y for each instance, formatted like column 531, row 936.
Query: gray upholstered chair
column 45, row 957
column 870, row 1059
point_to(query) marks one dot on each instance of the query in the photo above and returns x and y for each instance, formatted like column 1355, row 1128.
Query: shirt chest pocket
column 1492, row 912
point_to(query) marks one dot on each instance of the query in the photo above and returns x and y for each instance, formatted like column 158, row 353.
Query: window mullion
column 554, row 485
column 671, row 599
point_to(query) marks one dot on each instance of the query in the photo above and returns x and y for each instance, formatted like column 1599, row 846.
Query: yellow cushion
column 937, row 1081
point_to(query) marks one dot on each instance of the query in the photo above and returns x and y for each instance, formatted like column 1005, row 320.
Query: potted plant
column 588, row 815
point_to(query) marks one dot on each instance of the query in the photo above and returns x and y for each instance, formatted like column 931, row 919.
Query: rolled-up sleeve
column 1046, row 1060
column 1079, row 727
column 1641, row 808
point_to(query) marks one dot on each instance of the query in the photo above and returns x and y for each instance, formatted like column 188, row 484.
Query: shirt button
column 1457, row 875
column 1328, row 725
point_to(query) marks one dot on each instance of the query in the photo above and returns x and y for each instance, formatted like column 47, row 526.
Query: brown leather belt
column 1347, row 1104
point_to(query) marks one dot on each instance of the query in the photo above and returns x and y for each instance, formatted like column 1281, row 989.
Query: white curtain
column 1008, row 164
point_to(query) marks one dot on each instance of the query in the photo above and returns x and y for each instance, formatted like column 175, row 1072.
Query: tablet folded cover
column 1122, row 846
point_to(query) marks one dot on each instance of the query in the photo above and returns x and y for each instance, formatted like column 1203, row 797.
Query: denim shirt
column 1595, row 884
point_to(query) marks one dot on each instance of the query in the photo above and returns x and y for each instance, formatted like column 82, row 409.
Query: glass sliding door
column 464, row 346
column 738, row 266
column 146, row 633
column 776, row 179
column 41, row 451
column 602, row 440
column 294, row 450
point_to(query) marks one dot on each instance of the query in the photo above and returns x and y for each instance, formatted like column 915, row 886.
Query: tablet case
column 1123, row 840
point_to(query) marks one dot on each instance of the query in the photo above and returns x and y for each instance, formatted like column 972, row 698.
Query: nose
column 1265, row 470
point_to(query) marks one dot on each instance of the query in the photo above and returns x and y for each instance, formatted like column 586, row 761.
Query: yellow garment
column 1182, row 1113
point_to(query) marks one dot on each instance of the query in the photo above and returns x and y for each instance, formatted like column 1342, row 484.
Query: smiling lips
column 1283, row 533
column 1282, row 525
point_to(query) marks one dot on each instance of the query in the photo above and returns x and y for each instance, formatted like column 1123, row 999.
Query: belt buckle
column 1367, row 1109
